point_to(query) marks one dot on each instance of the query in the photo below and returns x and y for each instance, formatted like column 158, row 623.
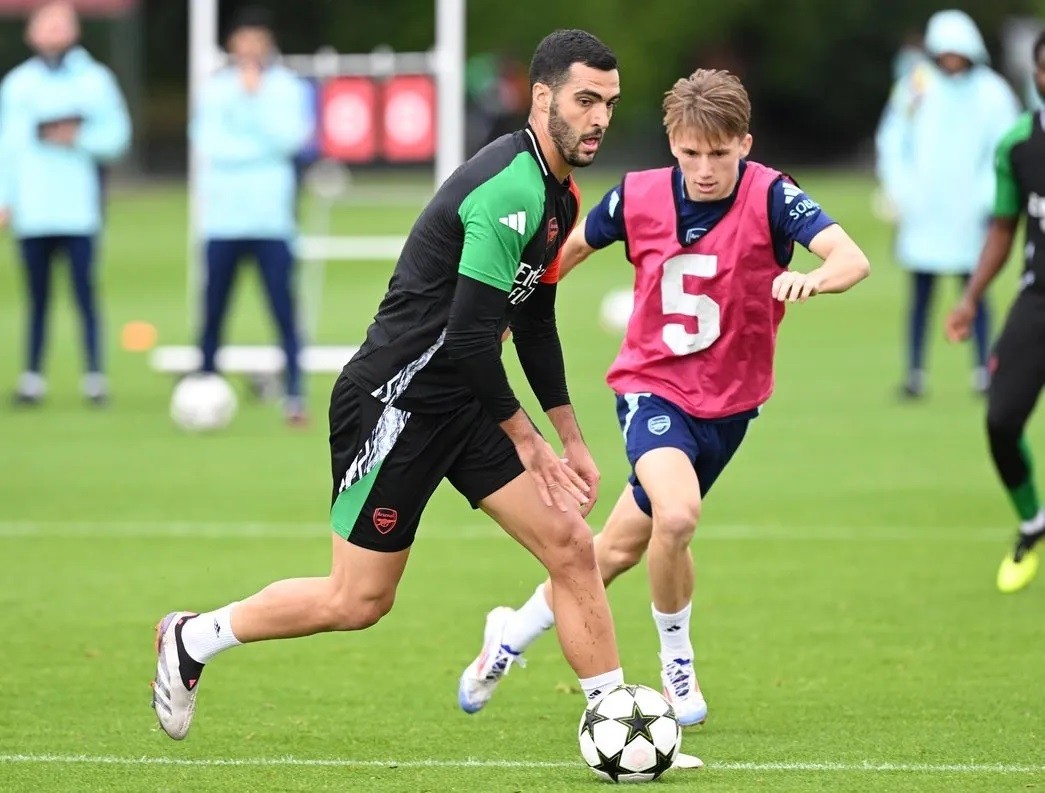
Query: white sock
column 32, row 385
column 674, row 633
column 208, row 634
column 1035, row 524
column 600, row 684
column 94, row 385
column 981, row 378
column 532, row 619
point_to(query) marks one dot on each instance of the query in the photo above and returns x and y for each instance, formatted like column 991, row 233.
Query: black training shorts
column 386, row 463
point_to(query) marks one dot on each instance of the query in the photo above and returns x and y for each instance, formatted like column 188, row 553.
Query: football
column 203, row 403
column 615, row 310
column 630, row 735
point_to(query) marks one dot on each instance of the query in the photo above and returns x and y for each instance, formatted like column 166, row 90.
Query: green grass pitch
column 848, row 634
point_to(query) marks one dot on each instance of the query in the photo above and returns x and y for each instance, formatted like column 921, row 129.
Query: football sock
column 208, row 634
column 1035, row 525
column 1024, row 496
column 674, row 633
column 915, row 382
column 981, row 379
column 600, row 684
column 532, row 619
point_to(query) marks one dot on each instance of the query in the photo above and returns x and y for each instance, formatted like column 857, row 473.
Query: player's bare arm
column 574, row 251
column 844, row 265
column 995, row 253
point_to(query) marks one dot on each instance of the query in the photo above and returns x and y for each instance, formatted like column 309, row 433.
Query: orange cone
column 138, row 336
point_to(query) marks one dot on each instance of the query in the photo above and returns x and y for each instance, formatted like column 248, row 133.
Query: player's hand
column 577, row 457
column 558, row 484
column 5, row 217
column 959, row 321
column 791, row 286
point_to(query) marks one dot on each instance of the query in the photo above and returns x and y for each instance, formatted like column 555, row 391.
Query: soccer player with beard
column 710, row 240
column 427, row 398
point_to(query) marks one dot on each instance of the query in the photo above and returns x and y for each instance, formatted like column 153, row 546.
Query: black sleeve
column 473, row 343
column 540, row 351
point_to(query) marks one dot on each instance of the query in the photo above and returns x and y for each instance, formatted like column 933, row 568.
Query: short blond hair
column 711, row 102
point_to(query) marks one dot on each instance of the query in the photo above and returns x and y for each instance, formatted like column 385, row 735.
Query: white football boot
column 682, row 691
column 482, row 675
column 173, row 700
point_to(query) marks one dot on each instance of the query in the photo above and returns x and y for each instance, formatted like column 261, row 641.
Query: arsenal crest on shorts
column 658, row 425
column 385, row 519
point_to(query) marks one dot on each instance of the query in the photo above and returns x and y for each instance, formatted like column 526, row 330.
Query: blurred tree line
column 818, row 71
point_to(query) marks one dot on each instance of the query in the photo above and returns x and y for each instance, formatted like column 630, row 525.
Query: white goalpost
column 444, row 63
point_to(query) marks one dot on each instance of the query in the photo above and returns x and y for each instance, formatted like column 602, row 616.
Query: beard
column 566, row 140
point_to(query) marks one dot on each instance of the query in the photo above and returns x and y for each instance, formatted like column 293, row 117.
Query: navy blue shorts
column 649, row 422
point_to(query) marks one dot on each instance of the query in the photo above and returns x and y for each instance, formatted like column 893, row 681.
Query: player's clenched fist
column 792, row 287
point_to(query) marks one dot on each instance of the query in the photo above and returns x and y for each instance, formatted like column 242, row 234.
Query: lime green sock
column 1024, row 497
column 1025, row 500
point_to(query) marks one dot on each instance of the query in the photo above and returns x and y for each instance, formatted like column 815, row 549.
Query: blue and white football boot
column 482, row 675
column 682, row 691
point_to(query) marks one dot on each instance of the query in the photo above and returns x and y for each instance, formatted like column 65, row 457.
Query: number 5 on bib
column 676, row 300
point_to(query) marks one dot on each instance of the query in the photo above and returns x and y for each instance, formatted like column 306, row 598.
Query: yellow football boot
column 1017, row 570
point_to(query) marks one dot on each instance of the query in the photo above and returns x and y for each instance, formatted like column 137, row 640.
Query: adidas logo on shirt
column 791, row 192
column 515, row 221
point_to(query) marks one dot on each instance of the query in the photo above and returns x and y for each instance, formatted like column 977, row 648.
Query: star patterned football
column 630, row 734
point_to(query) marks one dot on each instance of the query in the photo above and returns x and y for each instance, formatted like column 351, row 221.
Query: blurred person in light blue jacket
column 62, row 119
column 935, row 146
column 253, row 117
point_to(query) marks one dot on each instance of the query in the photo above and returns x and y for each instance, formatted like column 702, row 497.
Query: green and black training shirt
column 480, row 257
column 1020, row 175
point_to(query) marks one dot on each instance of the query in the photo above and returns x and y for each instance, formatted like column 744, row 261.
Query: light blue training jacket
column 246, row 143
column 51, row 189
column 935, row 145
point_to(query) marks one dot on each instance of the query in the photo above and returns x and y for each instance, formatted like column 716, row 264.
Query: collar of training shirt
column 56, row 62
column 535, row 150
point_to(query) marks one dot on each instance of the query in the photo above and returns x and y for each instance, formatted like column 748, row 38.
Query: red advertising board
column 348, row 119
column 99, row 8
column 409, row 115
